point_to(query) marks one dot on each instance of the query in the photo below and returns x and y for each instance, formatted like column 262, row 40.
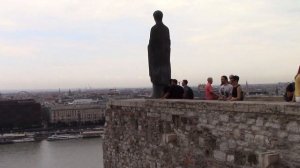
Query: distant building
column 76, row 113
column 258, row 92
column 20, row 114
column 113, row 92
column 84, row 101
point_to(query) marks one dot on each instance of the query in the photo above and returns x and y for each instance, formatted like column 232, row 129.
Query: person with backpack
column 188, row 92
column 289, row 92
column 237, row 92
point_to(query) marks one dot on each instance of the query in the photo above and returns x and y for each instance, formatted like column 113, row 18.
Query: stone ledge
column 143, row 133
column 224, row 106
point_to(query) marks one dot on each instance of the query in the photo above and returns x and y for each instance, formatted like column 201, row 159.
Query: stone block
column 201, row 142
column 202, row 120
column 236, row 133
column 292, row 109
column 166, row 117
column 188, row 128
column 240, row 107
column 241, row 144
column 190, row 114
column 140, row 128
column 170, row 137
column 256, row 108
column 219, row 155
column 224, row 146
column 272, row 125
column 241, row 117
column 294, row 138
column 224, row 118
column 226, row 106
column 237, row 118
column 214, row 122
column 267, row 159
column 293, row 126
column 146, row 151
column 251, row 121
column 230, row 158
column 201, row 107
column 210, row 127
column 255, row 128
column 259, row 139
column 213, row 106
column 282, row 134
column 215, row 132
column 243, row 126
column 259, row 121
column 178, row 112
column 107, row 118
column 249, row 138
column 153, row 114
column 231, row 144
column 275, row 108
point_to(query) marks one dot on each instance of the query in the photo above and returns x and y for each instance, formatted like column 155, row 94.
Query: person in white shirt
column 225, row 90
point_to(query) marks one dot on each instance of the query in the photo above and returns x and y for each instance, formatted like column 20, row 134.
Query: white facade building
column 79, row 113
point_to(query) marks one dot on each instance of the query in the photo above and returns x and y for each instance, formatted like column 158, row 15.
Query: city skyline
column 103, row 44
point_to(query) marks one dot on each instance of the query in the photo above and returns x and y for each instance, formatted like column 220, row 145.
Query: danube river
column 78, row 153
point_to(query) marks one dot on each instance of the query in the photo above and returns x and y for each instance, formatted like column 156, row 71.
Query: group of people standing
column 229, row 89
column 159, row 49
column 175, row 91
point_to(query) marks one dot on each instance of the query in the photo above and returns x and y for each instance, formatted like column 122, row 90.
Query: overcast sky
column 103, row 44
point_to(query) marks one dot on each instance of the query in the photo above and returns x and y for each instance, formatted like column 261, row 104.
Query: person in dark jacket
column 188, row 92
column 174, row 91
column 289, row 92
column 237, row 92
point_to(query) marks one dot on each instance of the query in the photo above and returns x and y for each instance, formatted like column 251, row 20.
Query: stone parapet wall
column 203, row 134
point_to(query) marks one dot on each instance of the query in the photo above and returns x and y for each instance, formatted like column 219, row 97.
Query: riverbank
column 53, row 135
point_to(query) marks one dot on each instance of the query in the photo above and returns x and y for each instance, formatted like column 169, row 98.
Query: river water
column 77, row 153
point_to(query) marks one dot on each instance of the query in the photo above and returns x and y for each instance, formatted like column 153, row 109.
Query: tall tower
column 247, row 88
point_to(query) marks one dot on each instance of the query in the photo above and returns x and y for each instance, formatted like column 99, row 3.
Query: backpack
column 289, row 88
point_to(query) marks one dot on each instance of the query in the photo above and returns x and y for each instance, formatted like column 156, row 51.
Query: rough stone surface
column 220, row 156
column 206, row 134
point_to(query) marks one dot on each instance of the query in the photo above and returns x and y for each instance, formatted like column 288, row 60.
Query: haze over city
column 103, row 44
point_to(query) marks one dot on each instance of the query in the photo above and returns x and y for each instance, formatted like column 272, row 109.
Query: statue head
column 158, row 15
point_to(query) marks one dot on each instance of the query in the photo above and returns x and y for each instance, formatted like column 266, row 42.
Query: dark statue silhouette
column 159, row 56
